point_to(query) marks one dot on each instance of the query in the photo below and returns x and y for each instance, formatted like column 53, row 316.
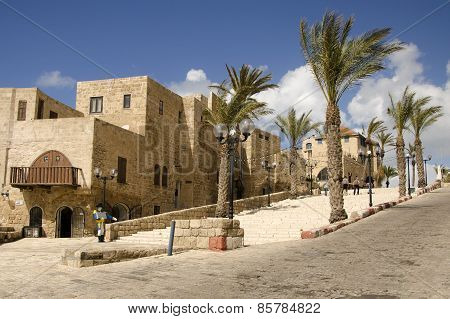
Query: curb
column 356, row 216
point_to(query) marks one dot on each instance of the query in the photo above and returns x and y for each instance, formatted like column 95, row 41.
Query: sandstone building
column 164, row 153
column 315, row 153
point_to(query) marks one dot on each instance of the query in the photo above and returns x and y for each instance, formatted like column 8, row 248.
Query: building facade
column 164, row 152
column 315, row 154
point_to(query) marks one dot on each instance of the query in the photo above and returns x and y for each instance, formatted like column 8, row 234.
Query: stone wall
column 129, row 227
column 209, row 233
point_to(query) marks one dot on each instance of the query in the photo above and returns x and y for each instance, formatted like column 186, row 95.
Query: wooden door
column 52, row 167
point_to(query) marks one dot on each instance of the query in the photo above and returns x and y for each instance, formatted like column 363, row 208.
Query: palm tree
column 384, row 139
column 374, row 127
column 422, row 118
column 401, row 112
column 339, row 62
column 236, row 102
column 389, row 172
column 410, row 149
column 295, row 129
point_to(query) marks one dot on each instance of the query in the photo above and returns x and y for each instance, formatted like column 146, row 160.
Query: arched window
column 308, row 146
column 165, row 177
column 36, row 217
column 323, row 175
column 157, row 175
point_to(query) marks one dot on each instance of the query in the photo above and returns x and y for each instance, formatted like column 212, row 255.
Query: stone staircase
column 275, row 224
column 9, row 234
column 158, row 237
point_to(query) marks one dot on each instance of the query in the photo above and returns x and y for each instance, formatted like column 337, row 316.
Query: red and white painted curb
column 355, row 216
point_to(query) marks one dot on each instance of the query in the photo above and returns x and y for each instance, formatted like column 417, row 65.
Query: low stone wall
column 209, row 233
column 8, row 234
column 129, row 227
column 88, row 258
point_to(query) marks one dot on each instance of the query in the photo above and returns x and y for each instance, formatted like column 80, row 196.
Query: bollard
column 172, row 234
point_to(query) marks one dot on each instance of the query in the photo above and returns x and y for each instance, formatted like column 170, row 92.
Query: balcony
column 28, row 177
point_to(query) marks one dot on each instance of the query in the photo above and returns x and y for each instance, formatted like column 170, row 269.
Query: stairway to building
column 152, row 237
column 281, row 222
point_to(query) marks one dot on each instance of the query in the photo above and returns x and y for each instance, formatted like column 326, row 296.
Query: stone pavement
column 400, row 252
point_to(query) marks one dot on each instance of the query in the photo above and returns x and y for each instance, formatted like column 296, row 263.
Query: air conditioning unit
column 31, row 232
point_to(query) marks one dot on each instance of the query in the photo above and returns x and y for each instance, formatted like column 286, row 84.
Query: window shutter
column 22, row 111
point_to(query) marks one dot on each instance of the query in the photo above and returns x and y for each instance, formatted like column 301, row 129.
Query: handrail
column 56, row 175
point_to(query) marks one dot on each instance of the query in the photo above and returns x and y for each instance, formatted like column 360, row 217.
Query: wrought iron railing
column 44, row 176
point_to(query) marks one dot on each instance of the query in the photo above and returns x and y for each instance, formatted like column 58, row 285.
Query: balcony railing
column 44, row 176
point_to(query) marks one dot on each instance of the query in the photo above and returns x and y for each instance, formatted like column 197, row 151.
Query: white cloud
column 55, row 79
column 196, row 82
column 196, row 75
column 295, row 87
column 372, row 99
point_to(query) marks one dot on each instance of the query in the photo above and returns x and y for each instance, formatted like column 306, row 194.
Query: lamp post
column 369, row 157
column 268, row 167
column 408, row 156
column 413, row 166
column 426, row 174
column 231, row 137
column 111, row 176
column 311, row 164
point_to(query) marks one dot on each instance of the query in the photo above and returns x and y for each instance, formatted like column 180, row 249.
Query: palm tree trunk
column 334, row 152
column 401, row 165
column 224, row 176
column 293, row 172
column 419, row 160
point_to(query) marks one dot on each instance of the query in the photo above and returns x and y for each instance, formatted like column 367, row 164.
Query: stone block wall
column 209, row 233
column 129, row 227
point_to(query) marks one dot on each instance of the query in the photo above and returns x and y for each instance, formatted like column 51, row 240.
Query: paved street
column 398, row 253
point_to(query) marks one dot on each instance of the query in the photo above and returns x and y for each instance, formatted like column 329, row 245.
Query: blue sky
column 167, row 39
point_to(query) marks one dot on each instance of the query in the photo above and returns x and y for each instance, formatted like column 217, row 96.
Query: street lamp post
column 369, row 157
column 231, row 137
column 311, row 164
column 408, row 156
column 111, row 176
column 268, row 167
column 426, row 174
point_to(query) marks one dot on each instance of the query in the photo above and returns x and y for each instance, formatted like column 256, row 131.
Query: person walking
column 356, row 186
column 345, row 185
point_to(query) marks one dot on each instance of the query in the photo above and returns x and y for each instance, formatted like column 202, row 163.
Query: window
column 180, row 116
column 22, row 111
column 319, row 141
column 261, row 136
column 53, row 115
column 156, row 210
column 40, row 110
column 165, row 177
column 122, row 170
column 346, row 139
column 127, row 101
column 157, row 175
column 266, row 138
column 161, row 107
column 308, row 146
column 96, row 104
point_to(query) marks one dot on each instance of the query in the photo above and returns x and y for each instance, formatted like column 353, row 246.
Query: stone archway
column 120, row 211
column 64, row 222
column 36, row 217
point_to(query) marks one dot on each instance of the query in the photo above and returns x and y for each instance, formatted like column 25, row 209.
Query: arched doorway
column 35, row 217
column 323, row 175
column 64, row 222
column 51, row 167
column 136, row 212
column 120, row 211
